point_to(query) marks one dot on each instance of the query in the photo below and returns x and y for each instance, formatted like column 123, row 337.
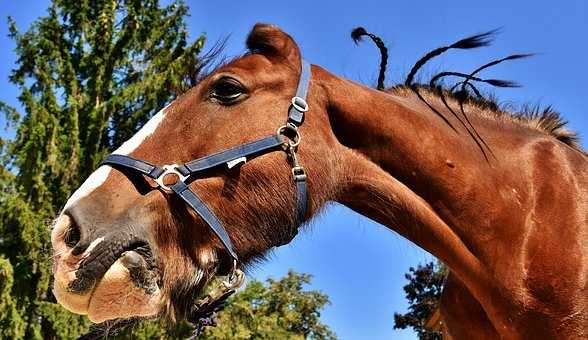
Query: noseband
column 287, row 139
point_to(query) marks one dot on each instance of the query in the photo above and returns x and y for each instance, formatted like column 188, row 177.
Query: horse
column 150, row 228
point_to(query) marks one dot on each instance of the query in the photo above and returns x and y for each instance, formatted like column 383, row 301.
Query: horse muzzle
column 114, row 276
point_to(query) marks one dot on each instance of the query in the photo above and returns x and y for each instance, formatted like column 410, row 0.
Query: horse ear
column 271, row 41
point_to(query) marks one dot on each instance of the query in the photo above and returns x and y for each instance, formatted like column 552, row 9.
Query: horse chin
column 123, row 292
column 117, row 296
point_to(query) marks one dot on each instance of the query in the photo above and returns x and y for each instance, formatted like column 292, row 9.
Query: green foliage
column 64, row 325
column 156, row 329
column 279, row 309
column 90, row 73
column 11, row 324
column 423, row 292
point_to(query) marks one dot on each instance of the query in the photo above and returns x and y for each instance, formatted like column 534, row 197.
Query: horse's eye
column 227, row 90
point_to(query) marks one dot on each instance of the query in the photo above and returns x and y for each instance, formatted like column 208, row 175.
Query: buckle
column 170, row 169
column 298, row 173
column 235, row 278
column 299, row 104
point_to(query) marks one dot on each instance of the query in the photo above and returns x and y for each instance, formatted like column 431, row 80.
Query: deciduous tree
column 276, row 309
column 423, row 292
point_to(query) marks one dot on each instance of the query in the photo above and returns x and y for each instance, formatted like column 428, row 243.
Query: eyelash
column 232, row 90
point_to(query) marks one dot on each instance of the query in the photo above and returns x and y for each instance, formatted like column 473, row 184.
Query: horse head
column 124, row 236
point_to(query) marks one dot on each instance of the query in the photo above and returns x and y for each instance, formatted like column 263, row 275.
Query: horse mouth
column 141, row 265
column 125, row 283
column 99, row 259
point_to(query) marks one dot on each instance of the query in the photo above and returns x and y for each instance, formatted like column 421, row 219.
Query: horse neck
column 409, row 170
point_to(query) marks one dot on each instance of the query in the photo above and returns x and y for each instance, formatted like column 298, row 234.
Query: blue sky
column 359, row 263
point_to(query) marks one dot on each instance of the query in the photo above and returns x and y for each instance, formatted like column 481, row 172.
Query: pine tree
column 90, row 73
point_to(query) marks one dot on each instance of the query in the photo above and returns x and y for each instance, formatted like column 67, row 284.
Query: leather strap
column 225, row 156
column 301, row 206
column 302, row 199
column 206, row 214
column 299, row 105
column 143, row 167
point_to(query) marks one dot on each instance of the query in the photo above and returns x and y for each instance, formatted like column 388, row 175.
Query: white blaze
column 98, row 177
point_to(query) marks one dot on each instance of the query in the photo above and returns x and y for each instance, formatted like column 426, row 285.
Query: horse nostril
column 72, row 236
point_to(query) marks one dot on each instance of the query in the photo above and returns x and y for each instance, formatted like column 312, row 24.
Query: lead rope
column 206, row 310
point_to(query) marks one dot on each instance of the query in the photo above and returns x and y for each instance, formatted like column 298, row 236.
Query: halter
column 287, row 139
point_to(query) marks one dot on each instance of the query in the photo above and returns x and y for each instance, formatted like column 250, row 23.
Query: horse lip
column 146, row 254
column 139, row 257
column 132, row 260
column 141, row 269
column 89, row 273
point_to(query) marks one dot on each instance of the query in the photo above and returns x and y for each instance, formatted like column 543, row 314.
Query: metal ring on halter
column 300, row 104
column 235, row 278
column 169, row 170
column 295, row 140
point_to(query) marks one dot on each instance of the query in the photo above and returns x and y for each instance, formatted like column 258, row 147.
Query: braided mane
column 467, row 96
column 357, row 34
column 544, row 119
